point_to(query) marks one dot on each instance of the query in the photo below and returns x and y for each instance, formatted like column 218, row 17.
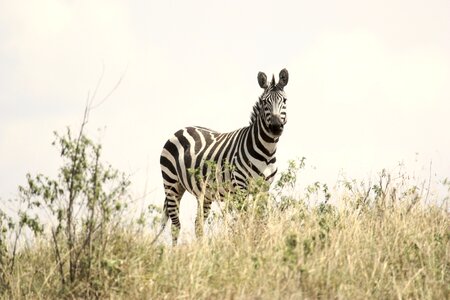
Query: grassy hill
column 375, row 251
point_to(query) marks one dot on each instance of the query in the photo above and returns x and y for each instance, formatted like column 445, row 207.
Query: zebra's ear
column 262, row 80
column 284, row 78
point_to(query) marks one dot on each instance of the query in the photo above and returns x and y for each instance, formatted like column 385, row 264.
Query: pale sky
column 369, row 82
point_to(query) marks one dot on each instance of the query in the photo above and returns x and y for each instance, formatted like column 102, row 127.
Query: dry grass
column 390, row 252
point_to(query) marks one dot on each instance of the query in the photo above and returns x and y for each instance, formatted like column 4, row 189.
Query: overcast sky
column 369, row 82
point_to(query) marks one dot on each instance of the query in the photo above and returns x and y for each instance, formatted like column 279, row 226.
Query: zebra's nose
column 277, row 124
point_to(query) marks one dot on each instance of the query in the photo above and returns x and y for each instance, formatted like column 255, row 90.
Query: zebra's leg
column 202, row 214
column 172, row 208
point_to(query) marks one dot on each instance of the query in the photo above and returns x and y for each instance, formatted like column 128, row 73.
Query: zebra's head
column 273, row 102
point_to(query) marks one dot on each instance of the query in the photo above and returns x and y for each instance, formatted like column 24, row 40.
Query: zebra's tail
column 165, row 218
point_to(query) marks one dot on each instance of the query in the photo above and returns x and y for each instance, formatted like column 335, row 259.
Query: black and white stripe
column 239, row 155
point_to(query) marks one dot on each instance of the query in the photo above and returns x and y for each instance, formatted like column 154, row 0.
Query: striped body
column 239, row 155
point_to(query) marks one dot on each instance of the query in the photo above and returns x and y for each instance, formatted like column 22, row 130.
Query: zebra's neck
column 260, row 143
column 268, row 140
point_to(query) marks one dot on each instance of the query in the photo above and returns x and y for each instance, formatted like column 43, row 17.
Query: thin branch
column 112, row 90
column 58, row 258
column 15, row 248
column 100, row 79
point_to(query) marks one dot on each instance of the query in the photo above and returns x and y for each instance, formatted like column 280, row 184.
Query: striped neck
column 261, row 141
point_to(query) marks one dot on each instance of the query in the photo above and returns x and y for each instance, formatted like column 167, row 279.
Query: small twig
column 100, row 79
column 367, row 195
column 111, row 91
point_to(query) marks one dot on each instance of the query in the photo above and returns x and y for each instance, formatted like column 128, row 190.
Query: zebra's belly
column 214, row 191
column 226, row 184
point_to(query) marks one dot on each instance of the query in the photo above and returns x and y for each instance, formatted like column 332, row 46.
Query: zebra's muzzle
column 276, row 126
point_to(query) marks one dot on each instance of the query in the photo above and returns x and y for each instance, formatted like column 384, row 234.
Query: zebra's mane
column 256, row 111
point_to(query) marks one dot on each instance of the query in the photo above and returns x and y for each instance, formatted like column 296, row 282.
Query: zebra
column 249, row 152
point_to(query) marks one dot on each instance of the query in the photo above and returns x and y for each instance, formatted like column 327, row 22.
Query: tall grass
column 393, row 250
